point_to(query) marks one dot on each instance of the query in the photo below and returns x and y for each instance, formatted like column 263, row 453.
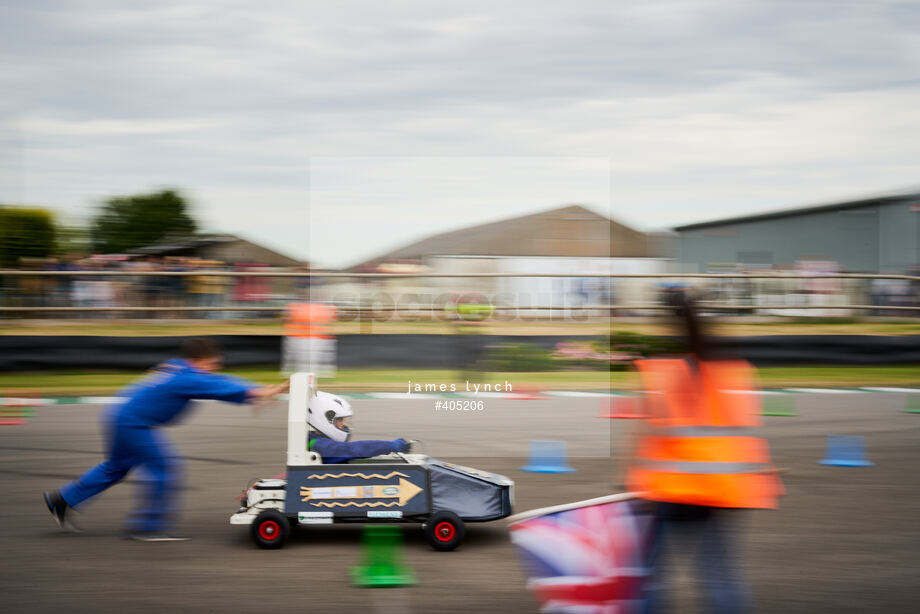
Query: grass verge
column 728, row 327
column 77, row 383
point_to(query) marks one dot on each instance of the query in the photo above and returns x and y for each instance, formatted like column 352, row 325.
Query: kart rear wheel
column 270, row 529
column 444, row 531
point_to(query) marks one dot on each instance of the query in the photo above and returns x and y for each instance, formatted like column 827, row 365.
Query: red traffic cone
column 14, row 411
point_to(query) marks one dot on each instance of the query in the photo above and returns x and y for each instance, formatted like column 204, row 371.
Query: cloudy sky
column 333, row 131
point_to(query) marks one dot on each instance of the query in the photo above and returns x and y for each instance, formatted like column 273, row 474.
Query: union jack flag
column 587, row 557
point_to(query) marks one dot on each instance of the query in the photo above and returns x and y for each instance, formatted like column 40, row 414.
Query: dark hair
column 197, row 348
column 689, row 321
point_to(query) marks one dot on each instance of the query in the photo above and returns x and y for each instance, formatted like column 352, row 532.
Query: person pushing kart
column 329, row 415
column 134, row 437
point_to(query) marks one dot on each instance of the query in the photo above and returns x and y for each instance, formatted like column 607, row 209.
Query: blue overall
column 133, row 438
column 344, row 451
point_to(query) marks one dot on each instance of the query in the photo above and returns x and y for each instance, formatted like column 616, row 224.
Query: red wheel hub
column 269, row 530
column 444, row 531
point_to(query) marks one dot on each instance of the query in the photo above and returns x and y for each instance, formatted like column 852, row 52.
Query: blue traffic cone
column 548, row 457
column 846, row 451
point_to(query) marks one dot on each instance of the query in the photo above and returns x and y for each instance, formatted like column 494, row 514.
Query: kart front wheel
column 444, row 531
column 270, row 529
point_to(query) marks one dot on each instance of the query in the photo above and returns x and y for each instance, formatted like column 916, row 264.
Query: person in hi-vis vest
column 700, row 458
column 309, row 345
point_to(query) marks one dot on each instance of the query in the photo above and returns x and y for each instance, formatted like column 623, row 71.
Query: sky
column 336, row 131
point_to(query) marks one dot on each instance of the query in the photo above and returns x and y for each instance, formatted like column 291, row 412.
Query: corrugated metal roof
column 905, row 198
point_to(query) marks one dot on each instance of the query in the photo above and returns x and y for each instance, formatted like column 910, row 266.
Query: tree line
column 122, row 224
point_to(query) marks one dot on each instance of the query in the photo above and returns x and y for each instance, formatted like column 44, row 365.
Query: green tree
column 73, row 240
column 129, row 222
column 25, row 233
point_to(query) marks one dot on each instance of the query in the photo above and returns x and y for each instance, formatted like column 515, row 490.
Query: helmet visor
column 343, row 423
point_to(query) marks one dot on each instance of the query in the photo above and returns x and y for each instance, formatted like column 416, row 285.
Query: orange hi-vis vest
column 700, row 446
column 309, row 320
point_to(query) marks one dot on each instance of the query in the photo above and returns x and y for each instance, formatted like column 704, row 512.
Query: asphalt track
column 844, row 540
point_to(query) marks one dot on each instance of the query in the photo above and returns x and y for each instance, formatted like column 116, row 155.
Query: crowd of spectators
column 209, row 289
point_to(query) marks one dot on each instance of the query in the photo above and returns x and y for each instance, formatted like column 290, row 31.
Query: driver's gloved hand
column 399, row 445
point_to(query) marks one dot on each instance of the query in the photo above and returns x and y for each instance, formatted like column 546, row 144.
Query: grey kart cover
column 469, row 493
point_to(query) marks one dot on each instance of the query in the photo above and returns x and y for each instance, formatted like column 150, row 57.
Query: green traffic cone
column 778, row 405
column 382, row 565
column 913, row 403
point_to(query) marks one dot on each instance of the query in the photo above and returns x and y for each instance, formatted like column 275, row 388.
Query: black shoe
column 57, row 506
column 156, row 536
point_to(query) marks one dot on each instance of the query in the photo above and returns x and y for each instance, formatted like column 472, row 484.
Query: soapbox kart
column 408, row 488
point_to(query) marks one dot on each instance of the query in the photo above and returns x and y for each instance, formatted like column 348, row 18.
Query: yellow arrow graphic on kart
column 405, row 490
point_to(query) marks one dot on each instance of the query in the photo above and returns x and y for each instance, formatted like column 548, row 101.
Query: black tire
column 270, row 529
column 444, row 531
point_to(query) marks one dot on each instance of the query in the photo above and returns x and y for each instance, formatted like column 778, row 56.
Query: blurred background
column 519, row 186
column 423, row 193
column 568, row 290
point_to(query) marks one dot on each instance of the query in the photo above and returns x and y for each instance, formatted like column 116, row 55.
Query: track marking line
column 826, row 390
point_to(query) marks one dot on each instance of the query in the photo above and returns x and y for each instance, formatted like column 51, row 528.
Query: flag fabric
column 587, row 557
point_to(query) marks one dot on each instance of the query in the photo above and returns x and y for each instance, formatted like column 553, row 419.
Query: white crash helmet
column 322, row 412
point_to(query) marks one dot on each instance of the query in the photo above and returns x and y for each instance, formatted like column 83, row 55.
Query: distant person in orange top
column 309, row 344
column 700, row 460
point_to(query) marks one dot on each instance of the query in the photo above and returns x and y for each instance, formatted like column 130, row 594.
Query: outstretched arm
column 344, row 451
column 267, row 392
column 227, row 388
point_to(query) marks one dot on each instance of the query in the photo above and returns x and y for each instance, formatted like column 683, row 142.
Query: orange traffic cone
column 621, row 407
column 527, row 392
